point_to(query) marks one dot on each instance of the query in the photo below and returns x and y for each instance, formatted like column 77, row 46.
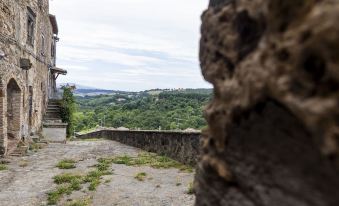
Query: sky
column 130, row 45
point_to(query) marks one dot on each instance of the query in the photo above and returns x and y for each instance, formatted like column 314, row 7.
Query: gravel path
column 29, row 178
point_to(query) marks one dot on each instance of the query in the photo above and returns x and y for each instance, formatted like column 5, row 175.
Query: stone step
column 53, row 110
column 52, row 121
column 53, row 107
column 54, row 101
column 54, row 104
column 12, row 145
column 53, row 113
column 19, row 151
column 43, row 142
column 52, row 118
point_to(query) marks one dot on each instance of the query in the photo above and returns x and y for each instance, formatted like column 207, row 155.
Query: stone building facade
column 28, row 36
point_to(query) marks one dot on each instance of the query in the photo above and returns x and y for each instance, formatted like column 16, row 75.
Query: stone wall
column 273, row 123
column 180, row 146
column 33, row 83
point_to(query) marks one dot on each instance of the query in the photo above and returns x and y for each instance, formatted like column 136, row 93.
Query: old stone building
column 28, row 37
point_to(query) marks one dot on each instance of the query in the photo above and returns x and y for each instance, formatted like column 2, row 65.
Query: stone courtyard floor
column 28, row 179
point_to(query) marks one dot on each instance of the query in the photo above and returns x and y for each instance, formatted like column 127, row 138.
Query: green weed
column 56, row 195
column 3, row 167
column 190, row 189
column 66, row 164
column 85, row 202
column 66, row 178
column 152, row 160
column 140, row 176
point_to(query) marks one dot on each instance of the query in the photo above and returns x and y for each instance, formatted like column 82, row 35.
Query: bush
column 68, row 110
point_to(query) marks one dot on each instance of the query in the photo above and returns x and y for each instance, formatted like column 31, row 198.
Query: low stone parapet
column 54, row 132
column 180, row 146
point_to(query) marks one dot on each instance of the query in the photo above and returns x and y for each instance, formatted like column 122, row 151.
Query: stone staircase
column 52, row 121
column 53, row 111
column 53, row 128
column 16, row 147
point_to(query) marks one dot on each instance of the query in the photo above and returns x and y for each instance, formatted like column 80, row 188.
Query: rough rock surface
column 273, row 123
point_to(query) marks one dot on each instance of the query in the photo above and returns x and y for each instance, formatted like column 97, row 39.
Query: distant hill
column 78, row 86
column 92, row 92
column 83, row 90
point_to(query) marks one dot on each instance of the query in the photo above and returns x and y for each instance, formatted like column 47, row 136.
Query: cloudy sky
column 130, row 44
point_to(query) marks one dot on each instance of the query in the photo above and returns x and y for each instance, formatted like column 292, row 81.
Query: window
column 52, row 49
column 30, row 26
column 42, row 45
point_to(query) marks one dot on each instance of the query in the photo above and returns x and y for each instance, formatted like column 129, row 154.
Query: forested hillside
column 149, row 110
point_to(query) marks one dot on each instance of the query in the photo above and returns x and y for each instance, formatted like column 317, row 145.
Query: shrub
column 68, row 109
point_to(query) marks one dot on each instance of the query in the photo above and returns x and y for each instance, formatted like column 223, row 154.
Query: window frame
column 53, row 49
column 31, row 20
column 43, row 44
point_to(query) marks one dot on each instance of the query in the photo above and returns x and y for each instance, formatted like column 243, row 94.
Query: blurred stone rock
column 273, row 123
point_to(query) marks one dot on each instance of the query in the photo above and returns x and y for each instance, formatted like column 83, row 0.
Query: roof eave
column 59, row 70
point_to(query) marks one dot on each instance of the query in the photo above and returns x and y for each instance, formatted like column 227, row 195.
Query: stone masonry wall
column 273, row 123
column 180, row 146
column 13, row 42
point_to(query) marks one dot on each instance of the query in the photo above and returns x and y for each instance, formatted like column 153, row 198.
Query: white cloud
column 75, row 67
column 123, row 43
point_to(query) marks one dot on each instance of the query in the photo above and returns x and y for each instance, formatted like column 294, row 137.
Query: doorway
column 13, row 110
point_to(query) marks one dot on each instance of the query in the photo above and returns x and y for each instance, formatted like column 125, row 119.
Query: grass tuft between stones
column 73, row 182
column 150, row 159
column 35, row 147
column 55, row 195
column 141, row 176
column 66, row 164
column 3, row 167
column 84, row 202
column 66, row 178
column 190, row 189
column 69, row 182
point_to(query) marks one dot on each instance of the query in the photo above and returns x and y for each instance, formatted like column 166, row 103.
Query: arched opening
column 13, row 111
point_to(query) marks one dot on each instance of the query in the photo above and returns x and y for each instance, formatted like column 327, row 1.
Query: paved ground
column 29, row 178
